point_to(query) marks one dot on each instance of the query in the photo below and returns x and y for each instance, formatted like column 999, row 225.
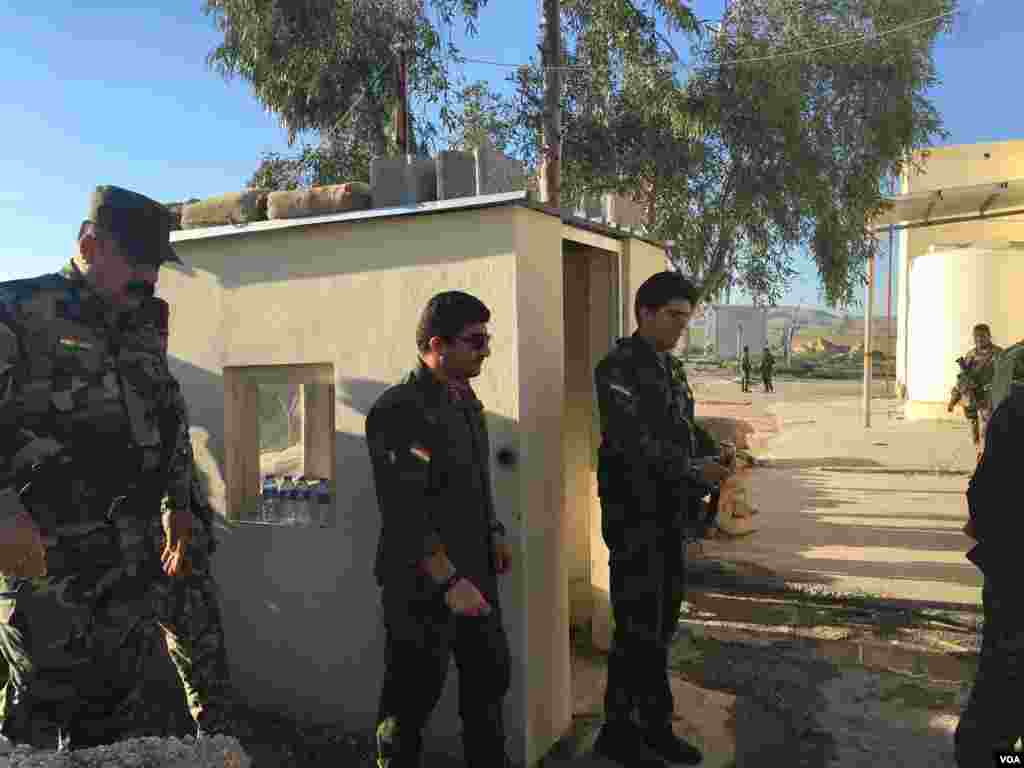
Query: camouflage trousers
column 188, row 623
column 75, row 640
column 992, row 719
column 647, row 583
column 978, row 417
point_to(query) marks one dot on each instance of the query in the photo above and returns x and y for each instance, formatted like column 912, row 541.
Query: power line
column 754, row 60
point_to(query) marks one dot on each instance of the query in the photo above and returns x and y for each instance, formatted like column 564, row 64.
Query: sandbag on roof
column 319, row 201
column 232, row 208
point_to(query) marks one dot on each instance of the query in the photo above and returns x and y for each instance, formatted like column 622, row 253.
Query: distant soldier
column 973, row 383
column 767, row 368
column 647, row 476
column 745, row 369
column 441, row 546
column 991, row 722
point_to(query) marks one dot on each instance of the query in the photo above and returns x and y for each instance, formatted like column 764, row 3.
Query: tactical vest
column 93, row 386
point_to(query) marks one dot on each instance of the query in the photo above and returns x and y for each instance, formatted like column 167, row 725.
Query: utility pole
column 869, row 309
column 402, row 111
column 551, row 50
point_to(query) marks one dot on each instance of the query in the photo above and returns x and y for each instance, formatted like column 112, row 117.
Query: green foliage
column 744, row 165
column 331, row 65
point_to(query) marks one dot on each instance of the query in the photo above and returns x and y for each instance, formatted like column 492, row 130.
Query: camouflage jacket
column 972, row 385
column 647, row 433
column 767, row 363
column 74, row 370
column 1009, row 373
column 431, row 469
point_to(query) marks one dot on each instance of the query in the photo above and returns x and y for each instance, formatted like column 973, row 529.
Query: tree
column 330, row 65
column 742, row 164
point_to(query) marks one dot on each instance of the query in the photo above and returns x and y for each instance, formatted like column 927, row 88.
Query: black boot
column 670, row 747
column 624, row 743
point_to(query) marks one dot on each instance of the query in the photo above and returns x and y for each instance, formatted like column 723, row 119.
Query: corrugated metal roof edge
column 439, row 206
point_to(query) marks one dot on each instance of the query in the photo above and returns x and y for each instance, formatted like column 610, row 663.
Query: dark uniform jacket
column 431, row 468
column 647, row 434
column 992, row 491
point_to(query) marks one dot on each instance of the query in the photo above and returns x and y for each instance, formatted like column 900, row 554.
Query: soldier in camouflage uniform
column 647, row 478
column 441, row 547
column 991, row 721
column 973, row 383
column 85, row 387
column 745, row 370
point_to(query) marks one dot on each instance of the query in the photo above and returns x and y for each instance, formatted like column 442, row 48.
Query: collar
column 92, row 306
column 643, row 343
column 455, row 392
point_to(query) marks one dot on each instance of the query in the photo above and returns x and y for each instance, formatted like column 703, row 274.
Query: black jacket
column 647, row 437
column 431, row 468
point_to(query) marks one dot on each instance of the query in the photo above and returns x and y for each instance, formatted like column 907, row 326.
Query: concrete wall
column 302, row 602
column 962, row 284
column 725, row 319
column 983, row 285
column 539, row 628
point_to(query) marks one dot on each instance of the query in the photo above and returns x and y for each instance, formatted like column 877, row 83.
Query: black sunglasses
column 476, row 340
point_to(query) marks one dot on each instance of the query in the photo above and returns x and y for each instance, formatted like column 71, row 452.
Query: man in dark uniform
column 767, row 368
column 991, row 721
column 441, row 546
column 647, row 476
column 83, row 396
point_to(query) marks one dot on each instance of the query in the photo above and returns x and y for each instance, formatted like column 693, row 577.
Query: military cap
column 141, row 226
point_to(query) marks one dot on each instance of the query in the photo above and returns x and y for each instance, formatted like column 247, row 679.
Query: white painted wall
column 956, row 288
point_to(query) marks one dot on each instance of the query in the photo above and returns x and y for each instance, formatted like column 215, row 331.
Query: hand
column 22, row 552
column 465, row 599
column 949, row 408
column 969, row 529
column 178, row 535
column 502, row 556
column 712, row 474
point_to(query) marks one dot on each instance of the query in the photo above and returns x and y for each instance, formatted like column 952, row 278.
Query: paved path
column 875, row 510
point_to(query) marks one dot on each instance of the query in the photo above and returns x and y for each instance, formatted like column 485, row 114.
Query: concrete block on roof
column 398, row 181
column 624, row 212
column 456, row 174
column 388, row 182
column 496, row 173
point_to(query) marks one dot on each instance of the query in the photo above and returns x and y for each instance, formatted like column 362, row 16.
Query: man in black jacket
column 991, row 721
column 647, row 478
column 441, row 546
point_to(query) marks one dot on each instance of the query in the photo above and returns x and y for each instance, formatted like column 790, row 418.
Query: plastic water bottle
column 304, row 508
column 270, row 502
column 323, row 502
column 287, row 490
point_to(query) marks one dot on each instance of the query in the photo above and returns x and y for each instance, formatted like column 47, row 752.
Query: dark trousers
column 648, row 579
column 991, row 720
column 745, row 380
column 767, row 379
column 421, row 637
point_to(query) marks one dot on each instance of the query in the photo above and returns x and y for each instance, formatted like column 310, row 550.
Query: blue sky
column 111, row 93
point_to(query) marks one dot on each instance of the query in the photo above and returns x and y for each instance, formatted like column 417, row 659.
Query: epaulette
column 18, row 291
